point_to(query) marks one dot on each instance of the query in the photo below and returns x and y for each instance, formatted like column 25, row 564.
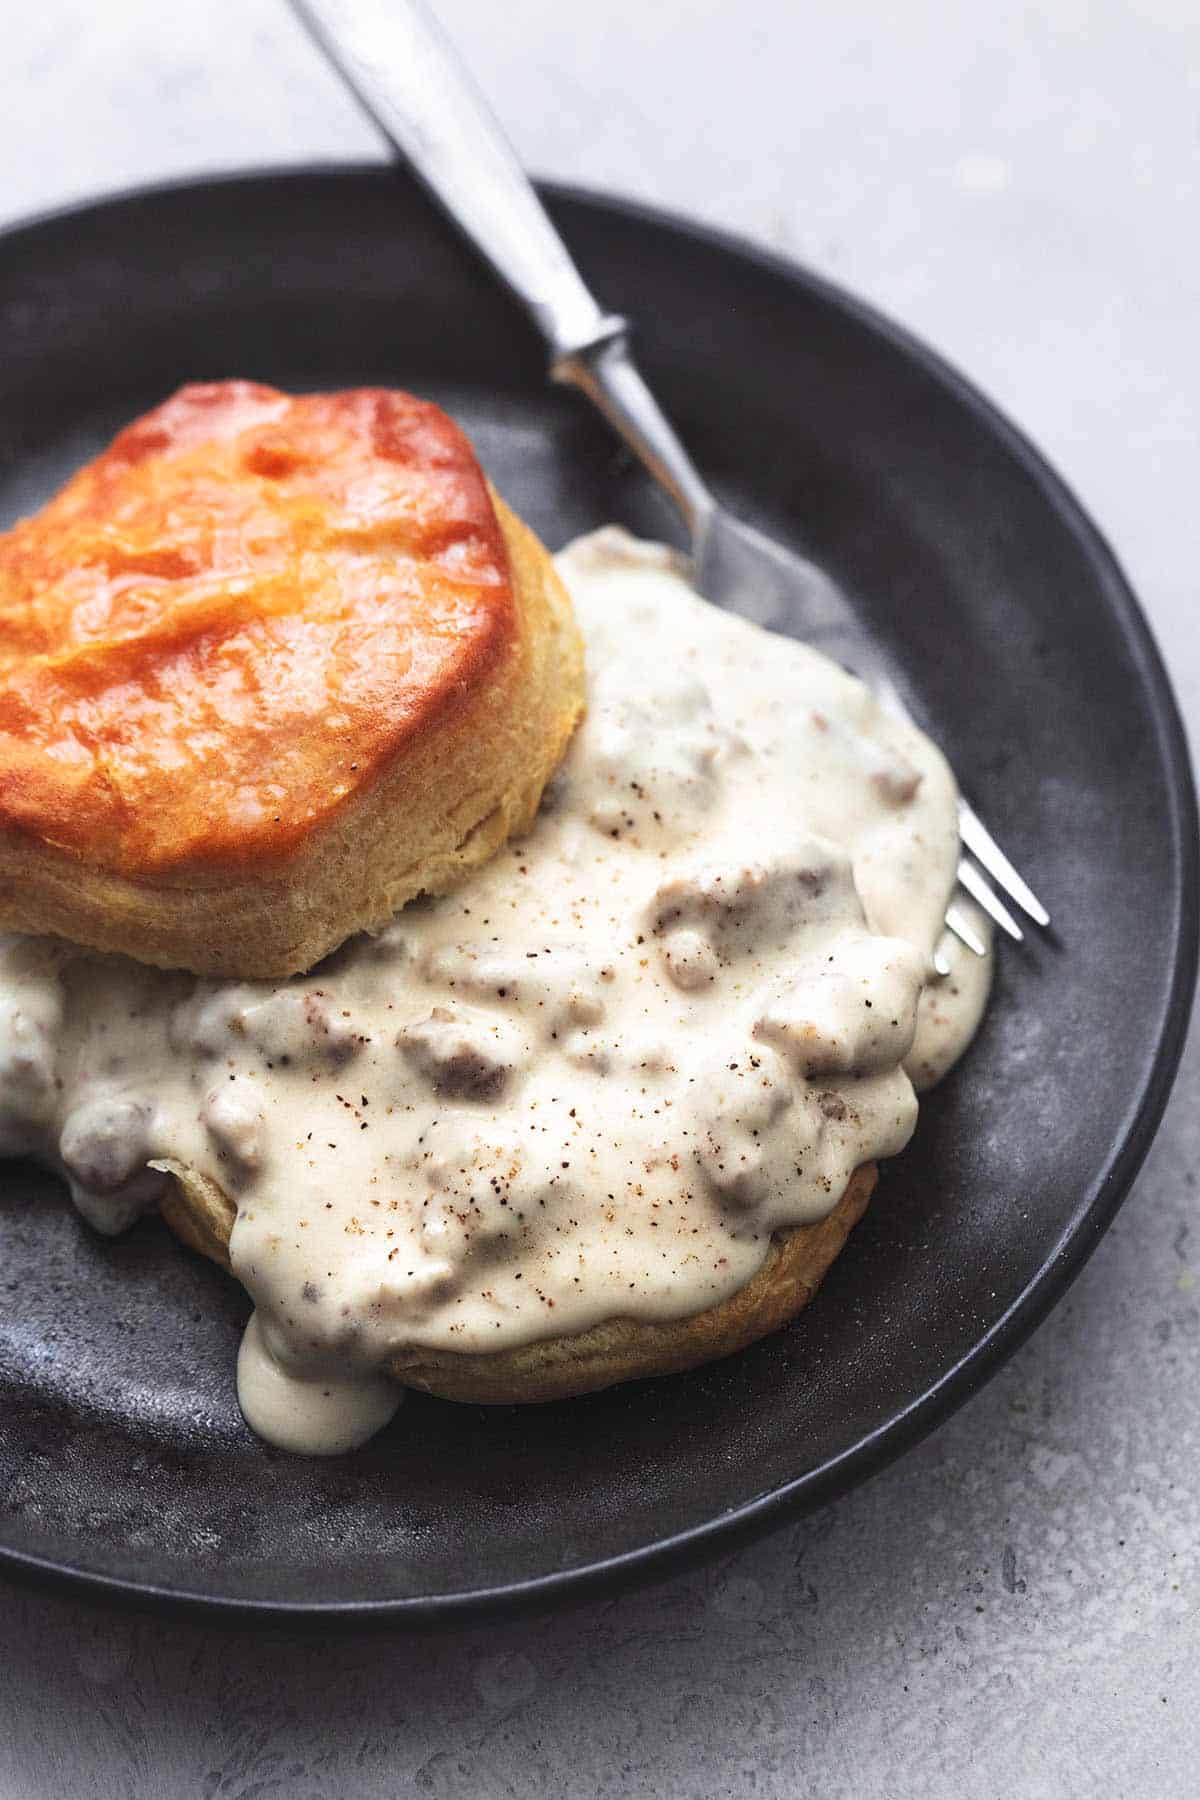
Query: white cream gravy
column 670, row 1021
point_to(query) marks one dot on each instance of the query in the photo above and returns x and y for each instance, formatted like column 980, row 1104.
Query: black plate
column 124, row 1462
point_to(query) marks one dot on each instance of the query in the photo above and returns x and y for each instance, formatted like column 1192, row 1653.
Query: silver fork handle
column 408, row 77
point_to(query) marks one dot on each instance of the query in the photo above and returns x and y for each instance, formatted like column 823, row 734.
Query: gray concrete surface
column 1011, row 1610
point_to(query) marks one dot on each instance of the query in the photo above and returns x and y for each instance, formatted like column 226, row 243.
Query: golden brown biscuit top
column 234, row 619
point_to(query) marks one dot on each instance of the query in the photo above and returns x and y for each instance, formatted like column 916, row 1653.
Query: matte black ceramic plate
column 123, row 1458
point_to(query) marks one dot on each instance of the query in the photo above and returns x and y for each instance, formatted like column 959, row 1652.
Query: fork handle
column 408, row 77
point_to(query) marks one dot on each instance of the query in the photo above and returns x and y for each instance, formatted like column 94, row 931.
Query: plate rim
column 1091, row 1214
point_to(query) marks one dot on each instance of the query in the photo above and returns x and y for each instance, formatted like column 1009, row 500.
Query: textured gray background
column 1012, row 1610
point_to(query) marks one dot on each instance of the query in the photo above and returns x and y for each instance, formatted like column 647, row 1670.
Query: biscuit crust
column 558, row 1368
column 270, row 667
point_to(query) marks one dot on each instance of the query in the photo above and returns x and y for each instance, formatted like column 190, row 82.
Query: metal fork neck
column 603, row 368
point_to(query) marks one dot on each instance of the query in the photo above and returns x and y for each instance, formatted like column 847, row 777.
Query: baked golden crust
column 557, row 1368
column 270, row 667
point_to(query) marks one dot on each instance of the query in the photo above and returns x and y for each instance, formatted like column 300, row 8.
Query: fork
column 410, row 80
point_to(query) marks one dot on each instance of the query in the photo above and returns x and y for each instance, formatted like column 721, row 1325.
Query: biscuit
column 269, row 668
column 557, row 1368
